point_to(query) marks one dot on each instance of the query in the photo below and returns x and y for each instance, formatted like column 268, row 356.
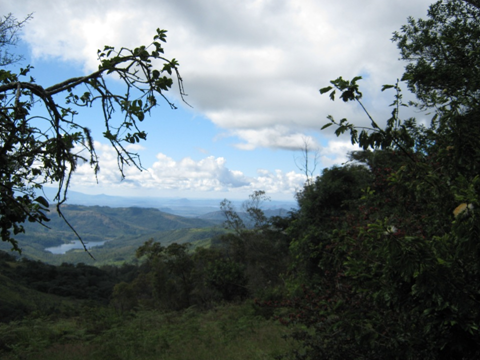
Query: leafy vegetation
column 397, row 273
column 41, row 138
column 232, row 331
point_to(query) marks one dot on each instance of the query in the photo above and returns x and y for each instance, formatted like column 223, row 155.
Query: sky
column 252, row 70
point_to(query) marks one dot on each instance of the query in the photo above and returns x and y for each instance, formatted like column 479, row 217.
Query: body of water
column 62, row 249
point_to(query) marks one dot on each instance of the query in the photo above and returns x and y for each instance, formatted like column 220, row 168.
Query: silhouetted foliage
column 396, row 275
column 40, row 137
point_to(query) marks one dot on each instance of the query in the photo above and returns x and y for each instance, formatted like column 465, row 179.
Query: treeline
column 243, row 263
column 21, row 278
column 387, row 253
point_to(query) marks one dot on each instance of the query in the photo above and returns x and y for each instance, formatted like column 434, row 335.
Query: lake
column 62, row 249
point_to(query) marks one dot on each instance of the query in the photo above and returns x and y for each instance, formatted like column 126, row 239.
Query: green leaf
column 41, row 200
column 332, row 95
column 325, row 89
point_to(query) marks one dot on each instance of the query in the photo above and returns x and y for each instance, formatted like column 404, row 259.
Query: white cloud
column 335, row 153
column 278, row 182
column 247, row 65
column 253, row 68
column 277, row 136
column 209, row 174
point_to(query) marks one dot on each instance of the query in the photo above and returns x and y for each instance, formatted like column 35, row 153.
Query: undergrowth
column 226, row 332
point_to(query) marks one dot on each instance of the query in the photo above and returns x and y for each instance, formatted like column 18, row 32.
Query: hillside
column 123, row 229
column 108, row 222
column 17, row 298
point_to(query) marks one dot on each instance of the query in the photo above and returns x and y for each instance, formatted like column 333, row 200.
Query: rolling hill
column 123, row 229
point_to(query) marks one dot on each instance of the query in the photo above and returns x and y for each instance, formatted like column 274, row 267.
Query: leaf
column 462, row 208
column 385, row 87
column 325, row 89
column 332, row 95
column 326, row 126
column 354, row 80
column 459, row 209
column 41, row 200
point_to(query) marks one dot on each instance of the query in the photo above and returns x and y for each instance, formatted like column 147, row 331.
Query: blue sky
column 252, row 70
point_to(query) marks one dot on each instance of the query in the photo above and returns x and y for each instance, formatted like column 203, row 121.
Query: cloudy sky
column 252, row 70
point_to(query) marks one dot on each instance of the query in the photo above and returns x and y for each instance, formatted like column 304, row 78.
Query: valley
column 112, row 234
column 120, row 231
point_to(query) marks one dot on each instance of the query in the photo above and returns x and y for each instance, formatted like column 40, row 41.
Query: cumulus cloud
column 253, row 68
column 277, row 136
column 209, row 174
column 247, row 65
column 336, row 152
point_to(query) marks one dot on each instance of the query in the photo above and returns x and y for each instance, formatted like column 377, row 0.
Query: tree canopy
column 41, row 140
column 395, row 276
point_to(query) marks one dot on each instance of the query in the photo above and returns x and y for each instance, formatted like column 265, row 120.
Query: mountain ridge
column 177, row 206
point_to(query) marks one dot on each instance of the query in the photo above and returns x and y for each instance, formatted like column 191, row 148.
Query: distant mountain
column 177, row 206
column 125, row 224
column 125, row 228
column 108, row 223
column 217, row 217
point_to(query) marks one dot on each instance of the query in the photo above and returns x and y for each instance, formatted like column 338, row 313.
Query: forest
column 381, row 259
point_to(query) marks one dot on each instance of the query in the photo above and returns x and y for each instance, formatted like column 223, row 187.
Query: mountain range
column 122, row 229
column 177, row 206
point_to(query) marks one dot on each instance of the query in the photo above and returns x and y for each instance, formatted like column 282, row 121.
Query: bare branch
column 308, row 162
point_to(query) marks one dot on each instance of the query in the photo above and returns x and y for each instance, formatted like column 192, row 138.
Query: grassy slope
column 228, row 332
